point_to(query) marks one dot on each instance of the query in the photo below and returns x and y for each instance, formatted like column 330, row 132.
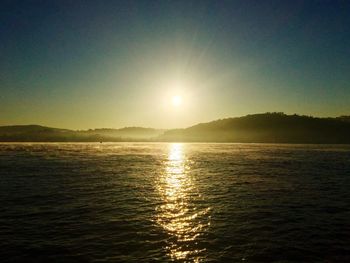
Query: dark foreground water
column 174, row 202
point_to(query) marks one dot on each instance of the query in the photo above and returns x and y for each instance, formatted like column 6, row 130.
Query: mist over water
column 143, row 202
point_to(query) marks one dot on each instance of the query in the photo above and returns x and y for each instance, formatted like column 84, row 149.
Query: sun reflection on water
column 178, row 214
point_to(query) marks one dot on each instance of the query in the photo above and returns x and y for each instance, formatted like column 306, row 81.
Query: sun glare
column 176, row 100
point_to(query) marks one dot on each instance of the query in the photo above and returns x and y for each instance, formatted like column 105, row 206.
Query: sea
column 174, row 202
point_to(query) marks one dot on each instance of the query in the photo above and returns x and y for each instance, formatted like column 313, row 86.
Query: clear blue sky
column 86, row 64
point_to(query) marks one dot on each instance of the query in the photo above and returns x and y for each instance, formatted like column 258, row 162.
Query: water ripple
column 123, row 202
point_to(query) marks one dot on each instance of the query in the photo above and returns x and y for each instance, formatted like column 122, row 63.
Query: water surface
column 122, row 202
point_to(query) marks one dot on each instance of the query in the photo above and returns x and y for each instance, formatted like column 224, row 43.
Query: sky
column 93, row 64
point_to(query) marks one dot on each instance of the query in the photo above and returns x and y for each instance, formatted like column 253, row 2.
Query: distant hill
column 21, row 129
column 37, row 133
column 127, row 132
column 33, row 133
column 266, row 128
column 256, row 128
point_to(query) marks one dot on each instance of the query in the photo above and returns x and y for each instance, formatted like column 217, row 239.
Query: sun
column 176, row 100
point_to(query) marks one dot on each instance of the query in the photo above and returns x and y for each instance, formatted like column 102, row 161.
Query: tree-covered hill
column 267, row 127
column 256, row 128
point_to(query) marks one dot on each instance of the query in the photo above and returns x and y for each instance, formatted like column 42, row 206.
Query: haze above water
column 117, row 202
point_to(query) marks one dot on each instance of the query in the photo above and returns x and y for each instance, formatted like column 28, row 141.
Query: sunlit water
column 174, row 202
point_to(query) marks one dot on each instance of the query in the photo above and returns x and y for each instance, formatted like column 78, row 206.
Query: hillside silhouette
column 256, row 128
column 266, row 128
column 37, row 133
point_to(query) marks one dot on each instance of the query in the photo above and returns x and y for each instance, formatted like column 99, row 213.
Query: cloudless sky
column 88, row 64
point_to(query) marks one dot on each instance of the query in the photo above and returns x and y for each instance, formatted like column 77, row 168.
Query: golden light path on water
column 178, row 214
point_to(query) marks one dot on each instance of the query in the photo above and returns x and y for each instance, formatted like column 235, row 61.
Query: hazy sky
column 86, row 64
